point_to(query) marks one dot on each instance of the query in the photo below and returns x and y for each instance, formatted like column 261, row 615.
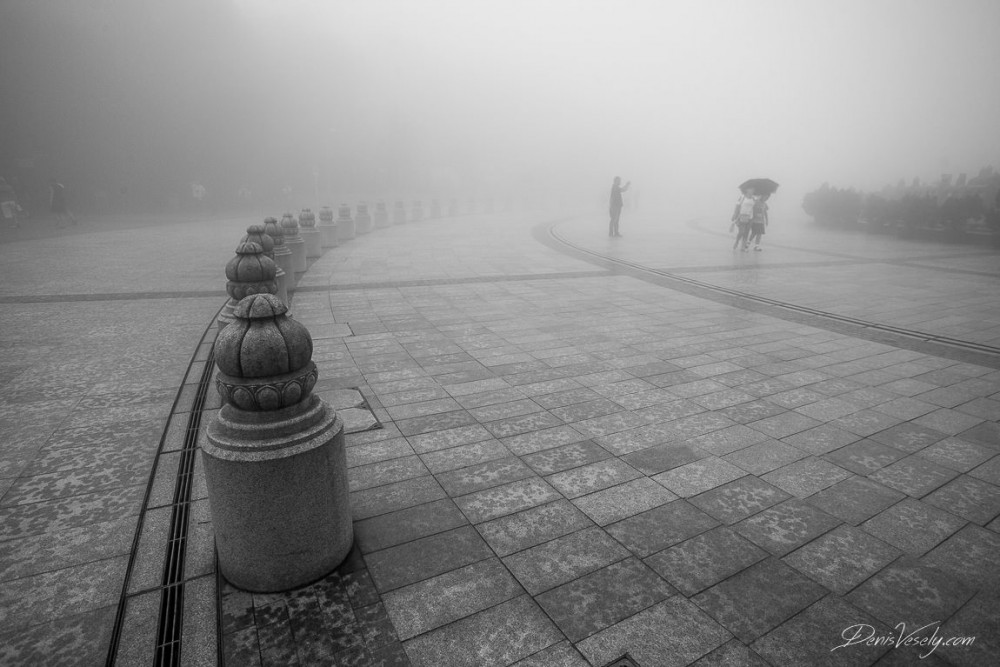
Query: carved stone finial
column 264, row 357
column 250, row 272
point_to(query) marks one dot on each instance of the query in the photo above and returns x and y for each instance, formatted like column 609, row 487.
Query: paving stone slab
column 913, row 526
column 80, row 639
column 736, row 500
column 914, row 476
column 821, row 440
column 842, row 558
column 531, row 527
column 958, row 454
column 48, row 596
column 699, row 476
column 909, row 437
column 975, row 619
column 635, row 439
column 764, row 456
column 805, row 477
column 536, row 441
column 618, row 502
column 911, row 593
column 969, row 498
column 448, row 597
column 692, row 634
column 754, row 601
column 506, row 499
column 497, row 636
column 855, row 499
column 558, row 655
column 593, row 477
column 816, row 637
column 785, row 526
column 705, row 560
column 970, row 556
column 558, row 459
column 453, row 458
column 563, row 559
column 864, row 457
column 733, row 652
column 602, row 598
column 425, row 557
column 396, row 496
column 661, row 527
column 407, row 524
column 483, row 476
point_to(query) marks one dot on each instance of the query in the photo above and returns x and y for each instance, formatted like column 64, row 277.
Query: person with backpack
column 742, row 215
column 758, row 223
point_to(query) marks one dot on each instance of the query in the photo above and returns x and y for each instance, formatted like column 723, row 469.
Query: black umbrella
column 761, row 186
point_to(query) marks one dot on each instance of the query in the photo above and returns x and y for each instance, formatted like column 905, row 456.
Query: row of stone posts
column 275, row 461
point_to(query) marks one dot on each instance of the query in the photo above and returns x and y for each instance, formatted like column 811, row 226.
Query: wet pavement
column 576, row 461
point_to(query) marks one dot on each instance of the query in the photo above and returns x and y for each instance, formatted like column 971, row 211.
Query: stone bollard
column 275, row 462
column 435, row 209
column 282, row 257
column 418, row 211
column 381, row 215
column 398, row 213
column 327, row 228
column 310, row 235
column 294, row 242
column 258, row 234
column 249, row 272
column 363, row 220
column 346, row 229
column 453, row 208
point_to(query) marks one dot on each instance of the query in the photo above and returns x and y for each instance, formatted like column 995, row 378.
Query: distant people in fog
column 57, row 203
column 9, row 210
column 742, row 216
column 616, row 204
column 758, row 223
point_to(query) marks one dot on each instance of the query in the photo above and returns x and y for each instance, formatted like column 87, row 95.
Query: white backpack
column 746, row 208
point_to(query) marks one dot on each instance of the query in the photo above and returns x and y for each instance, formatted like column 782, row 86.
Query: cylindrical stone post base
column 278, row 493
column 282, row 292
column 283, row 258
column 346, row 230
column 381, row 216
column 328, row 234
column 298, row 249
column 314, row 247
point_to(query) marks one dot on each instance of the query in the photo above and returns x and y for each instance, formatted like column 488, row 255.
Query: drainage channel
column 167, row 648
column 984, row 354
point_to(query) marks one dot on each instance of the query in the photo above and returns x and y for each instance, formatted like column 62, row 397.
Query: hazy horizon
column 448, row 98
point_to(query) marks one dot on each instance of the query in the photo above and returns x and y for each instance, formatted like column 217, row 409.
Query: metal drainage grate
column 168, row 639
column 624, row 661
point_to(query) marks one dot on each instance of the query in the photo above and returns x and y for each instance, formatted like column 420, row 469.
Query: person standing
column 57, row 203
column 616, row 204
column 9, row 210
column 758, row 223
column 742, row 215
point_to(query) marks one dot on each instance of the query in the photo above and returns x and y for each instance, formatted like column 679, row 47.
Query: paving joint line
column 926, row 343
column 431, row 282
column 109, row 296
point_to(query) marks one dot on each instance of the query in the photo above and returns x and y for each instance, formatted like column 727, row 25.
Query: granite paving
column 552, row 461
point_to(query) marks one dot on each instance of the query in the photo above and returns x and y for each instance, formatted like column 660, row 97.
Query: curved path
column 920, row 290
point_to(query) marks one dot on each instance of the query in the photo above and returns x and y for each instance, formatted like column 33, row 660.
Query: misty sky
column 460, row 97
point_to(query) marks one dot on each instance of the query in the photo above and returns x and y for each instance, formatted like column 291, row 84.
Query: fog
column 129, row 102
